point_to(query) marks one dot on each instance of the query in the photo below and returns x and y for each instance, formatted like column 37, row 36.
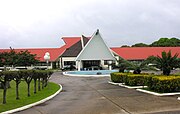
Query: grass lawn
column 12, row 103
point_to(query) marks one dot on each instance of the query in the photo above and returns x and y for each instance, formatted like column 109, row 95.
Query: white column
column 110, row 67
column 60, row 66
column 79, row 65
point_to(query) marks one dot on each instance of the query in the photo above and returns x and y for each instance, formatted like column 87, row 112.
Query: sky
column 42, row 23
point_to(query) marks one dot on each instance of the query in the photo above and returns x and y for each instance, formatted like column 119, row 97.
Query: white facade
column 97, row 51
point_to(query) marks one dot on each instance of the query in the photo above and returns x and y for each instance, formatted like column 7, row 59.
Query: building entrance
column 91, row 64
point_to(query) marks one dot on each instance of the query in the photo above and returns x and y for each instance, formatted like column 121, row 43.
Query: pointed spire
column 82, row 41
column 97, row 32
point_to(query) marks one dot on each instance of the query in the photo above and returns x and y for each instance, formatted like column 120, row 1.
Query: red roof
column 141, row 53
column 69, row 41
column 54, row 52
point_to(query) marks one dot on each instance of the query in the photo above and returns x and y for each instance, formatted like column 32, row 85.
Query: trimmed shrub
column 27, row 75
column 136, row 79
column 164, row 84
column 118, row 77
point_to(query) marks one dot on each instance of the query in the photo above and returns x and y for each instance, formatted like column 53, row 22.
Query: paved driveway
column 95, row 96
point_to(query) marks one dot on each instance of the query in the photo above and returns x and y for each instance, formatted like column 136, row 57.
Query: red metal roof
column 69, row 41
column 54, row 52
column 141, row 53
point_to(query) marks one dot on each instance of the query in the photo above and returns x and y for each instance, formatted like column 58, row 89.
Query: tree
column 123, row 64
column 17, row 78
column 13, row 58
column 48, row 75
column 27, row 76
column 125, row 46
column 36, row 76
column 5, row 77
column 25, row 58
column 8, row 58
column 140, row 45
column 166, row 62
column 166, row 42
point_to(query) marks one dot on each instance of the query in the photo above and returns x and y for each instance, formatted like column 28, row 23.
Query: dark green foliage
column 136, row 79
column 25, row 58
column 162, row 42
column 166, row 42
column 118, row 77
column 13, row 58
column 136, row 66
column 140, row 45
column 130, row 79
column 137, row 70
column 8, row 58
column 164, row 84
column 124, row 64
column 166, row 62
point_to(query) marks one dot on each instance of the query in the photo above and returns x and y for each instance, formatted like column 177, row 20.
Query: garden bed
column 24, row 99
column 159, row 85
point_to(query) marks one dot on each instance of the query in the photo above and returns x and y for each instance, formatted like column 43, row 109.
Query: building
column 90, row 53
column 142, row 53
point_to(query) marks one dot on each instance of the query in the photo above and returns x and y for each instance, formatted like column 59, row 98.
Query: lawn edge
column 33, row 104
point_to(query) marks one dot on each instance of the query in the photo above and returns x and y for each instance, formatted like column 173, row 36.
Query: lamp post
column 110, row 65
column 47, row 58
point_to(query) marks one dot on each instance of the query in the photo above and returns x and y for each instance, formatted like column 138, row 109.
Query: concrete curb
column 159, row 94
column 113, row 83
column 33, row 104
column 132, row 87
column 129, row 87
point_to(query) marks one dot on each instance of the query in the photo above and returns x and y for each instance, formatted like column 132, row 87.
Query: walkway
column 96, row 96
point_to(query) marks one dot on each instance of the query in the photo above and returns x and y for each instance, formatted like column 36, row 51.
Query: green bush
column 136, row 79
column 118, row 77
column 164, row 84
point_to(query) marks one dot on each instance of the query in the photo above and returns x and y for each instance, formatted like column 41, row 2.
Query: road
column 92, row 95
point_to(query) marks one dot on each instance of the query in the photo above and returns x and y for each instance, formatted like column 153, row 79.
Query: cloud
column 42, row 23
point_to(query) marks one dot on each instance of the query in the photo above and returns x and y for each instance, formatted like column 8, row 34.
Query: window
column 69, row 63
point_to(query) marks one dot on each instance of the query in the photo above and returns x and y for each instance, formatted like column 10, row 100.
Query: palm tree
column 166, row 62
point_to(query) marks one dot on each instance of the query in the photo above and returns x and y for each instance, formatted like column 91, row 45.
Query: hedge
column 164, row 84
column 158, row 83
column 129, row 78
column 136, row 79
column 117, row 77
